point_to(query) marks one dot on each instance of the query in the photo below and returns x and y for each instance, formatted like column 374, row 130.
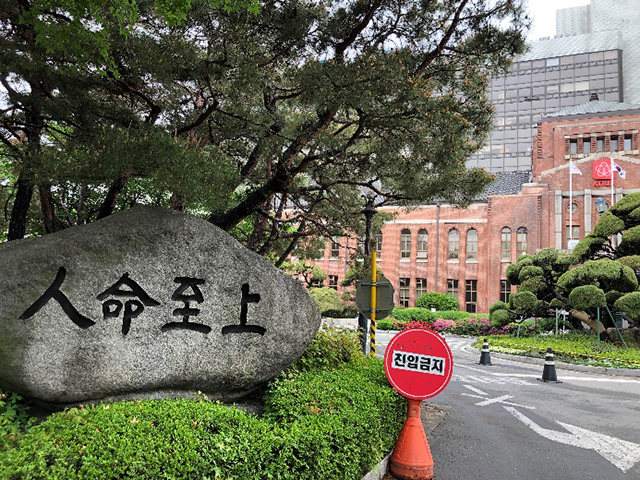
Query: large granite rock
column 148, row 303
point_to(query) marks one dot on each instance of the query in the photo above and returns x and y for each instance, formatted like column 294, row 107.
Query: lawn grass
column 579, row 348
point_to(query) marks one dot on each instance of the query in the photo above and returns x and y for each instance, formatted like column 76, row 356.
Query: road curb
column 613, row 372
column 379, row 471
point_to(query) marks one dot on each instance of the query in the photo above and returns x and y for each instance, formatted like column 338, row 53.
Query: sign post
column 418, row 364
column 374, row 299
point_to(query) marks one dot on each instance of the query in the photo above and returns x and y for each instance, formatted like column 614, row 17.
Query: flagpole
column 570, row 204
column 611, row 205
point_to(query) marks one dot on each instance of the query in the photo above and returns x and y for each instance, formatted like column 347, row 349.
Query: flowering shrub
column 472, row 326
column 445, row 326
column 420, row 325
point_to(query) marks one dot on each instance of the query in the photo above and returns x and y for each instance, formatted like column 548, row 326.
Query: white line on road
column 474, row 389
column 501, row 400
column 621, row 453
column 527, row 375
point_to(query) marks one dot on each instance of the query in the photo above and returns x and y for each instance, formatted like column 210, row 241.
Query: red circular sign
column 418, row 363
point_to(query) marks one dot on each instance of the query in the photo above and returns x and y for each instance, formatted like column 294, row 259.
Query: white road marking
column 501, row 400
column 498, row 381
column 524, row 375
column 621, row 453
column 474, row 389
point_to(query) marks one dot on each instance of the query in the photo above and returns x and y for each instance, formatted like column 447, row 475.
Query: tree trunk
column 593, row 323
column 178, row 202
column 48, row 210
column 20, row 209
column 109, row 203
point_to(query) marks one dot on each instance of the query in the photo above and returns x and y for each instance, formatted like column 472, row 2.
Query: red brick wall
column 534, row 209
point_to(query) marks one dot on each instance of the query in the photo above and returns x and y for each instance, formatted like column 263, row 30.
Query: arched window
column 405, row 243
column 454, row 243
column 423, row 243
column 472, row 244
column 521, row 241
column 505, row 244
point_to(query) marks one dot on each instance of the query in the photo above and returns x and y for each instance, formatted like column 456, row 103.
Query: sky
column 544, row 15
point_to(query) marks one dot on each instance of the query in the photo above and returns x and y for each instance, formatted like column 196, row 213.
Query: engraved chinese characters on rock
column 138, row 299
column 187, row 311
column 132, row 308
column 54, row 292
column 243, row 327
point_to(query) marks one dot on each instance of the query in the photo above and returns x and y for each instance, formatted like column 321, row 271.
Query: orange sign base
column 411, row 458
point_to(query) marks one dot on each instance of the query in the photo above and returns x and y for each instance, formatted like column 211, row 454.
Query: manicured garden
column 331, row 415
column 580, row 348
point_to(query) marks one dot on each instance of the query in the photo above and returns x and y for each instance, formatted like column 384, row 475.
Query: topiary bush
column 587, row 297
column 327, row 299
column 630, row 305
column 500, row 318
column 499, row 305
column 439, row 301
column 523, row 303
column 608, row 225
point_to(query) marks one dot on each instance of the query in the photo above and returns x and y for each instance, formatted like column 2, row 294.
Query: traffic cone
column 411, row 458
column 549, row 371
column 485, row 356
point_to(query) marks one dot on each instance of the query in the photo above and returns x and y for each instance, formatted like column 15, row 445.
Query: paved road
column 505, row 424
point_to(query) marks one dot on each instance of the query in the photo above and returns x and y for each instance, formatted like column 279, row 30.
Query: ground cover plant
column 321, row 420
column 581, row 348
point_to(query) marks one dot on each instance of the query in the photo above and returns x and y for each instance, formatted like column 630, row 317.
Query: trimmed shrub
column 331, row 346
column 384, row 324
column 499, row 305
column 587, row 297
column 588, row 246
column 331, row 415
column 500, row 318
column 453, row 315
column 346, row 312
column 329, row 424
column 528, row 272
column 327, row 299
column 630, row 305
column 608, row 225
column 414, row 314
column 523, row 302
column 626, row 205
column 630, row 241
column 439, row 301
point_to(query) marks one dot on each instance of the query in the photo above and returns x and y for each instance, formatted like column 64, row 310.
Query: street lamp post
column 369, row 211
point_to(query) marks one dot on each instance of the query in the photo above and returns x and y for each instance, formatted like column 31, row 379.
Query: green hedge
column 439, row 301
column 414, row 314
column 318, row 423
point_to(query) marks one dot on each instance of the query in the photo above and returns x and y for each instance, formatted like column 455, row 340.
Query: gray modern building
column 595, row 54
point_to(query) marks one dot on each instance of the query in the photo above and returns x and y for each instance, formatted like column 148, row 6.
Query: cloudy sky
column 544, row 15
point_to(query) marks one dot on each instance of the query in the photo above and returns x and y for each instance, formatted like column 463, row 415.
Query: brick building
column 466, row 252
